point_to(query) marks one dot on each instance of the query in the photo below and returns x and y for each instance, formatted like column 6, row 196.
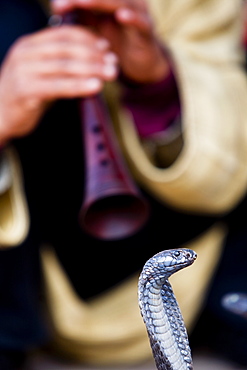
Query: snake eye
column 176, row 254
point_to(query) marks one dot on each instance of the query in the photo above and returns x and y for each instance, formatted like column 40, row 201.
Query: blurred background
column 202, row 361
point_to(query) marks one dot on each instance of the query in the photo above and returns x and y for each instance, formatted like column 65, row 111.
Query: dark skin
column 76, row 60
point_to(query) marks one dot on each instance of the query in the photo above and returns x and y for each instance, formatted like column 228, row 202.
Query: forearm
column 156, row 113
column 209, row 175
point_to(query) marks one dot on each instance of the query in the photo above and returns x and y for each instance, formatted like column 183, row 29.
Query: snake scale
column 160, row 311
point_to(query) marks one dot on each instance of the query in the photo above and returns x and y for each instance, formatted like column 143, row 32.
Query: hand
column 59, row 62
column 128, row 27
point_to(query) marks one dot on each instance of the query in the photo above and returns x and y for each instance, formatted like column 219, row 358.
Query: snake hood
column 160, row 311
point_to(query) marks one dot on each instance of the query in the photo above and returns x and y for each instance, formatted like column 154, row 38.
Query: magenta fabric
column 154, row 107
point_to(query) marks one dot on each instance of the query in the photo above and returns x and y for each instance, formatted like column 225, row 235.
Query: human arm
column 209, row 176
column 28, row 85
column 63, row 62
column 156, row 113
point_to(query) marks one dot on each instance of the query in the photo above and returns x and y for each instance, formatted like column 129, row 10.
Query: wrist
column 148, row 69
column 154, row 107
column 162, row 67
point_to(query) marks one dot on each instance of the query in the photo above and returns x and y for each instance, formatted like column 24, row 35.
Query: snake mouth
column 187, row 263
column 194, row 257
column 191, row 256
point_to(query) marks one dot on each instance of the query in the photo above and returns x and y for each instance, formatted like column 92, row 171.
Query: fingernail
column 109, row 70
column 93, row 83
column 110, row 58
column 126, row 14
column 102, row 44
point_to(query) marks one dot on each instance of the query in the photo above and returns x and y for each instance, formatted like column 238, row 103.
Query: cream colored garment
column 14, row 217
column 109, row 329
column 210, row 175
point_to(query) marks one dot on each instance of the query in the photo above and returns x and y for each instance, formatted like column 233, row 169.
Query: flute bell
column 113, row 207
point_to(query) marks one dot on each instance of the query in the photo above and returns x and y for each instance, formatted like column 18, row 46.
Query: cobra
column 160, row 310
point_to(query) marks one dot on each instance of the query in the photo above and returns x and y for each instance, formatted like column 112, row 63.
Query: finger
column 62, row 88
column 108, row 6
column 133, row 13
column 64, row 68
column 43, row 47
column 64, row 51
column 63, row 6
column 139, row 20
column 67, row 34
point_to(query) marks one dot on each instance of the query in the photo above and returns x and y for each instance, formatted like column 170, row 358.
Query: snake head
column 167, row 262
